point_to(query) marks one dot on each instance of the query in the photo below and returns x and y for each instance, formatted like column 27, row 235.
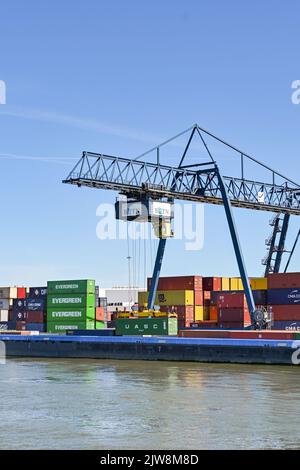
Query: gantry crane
column 142, row 181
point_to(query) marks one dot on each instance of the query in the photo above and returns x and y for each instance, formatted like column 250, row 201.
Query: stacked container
column 29, row 313
column 7, row 296
column 180, row 294
column 284, row 300
column 71, row 306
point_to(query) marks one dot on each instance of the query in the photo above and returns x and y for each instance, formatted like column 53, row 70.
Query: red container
column 283, row 280
column 35, row 317
column 182, row 311
column 208, row 324
column 100, row 314
column 178, row 283
column 21, row 325
column 231, row 300
column 233, row 315
column 212, row 283
column 206, row 295
column 193, row 333
column 263, row 334
column 21, row 292
column 198, row 297
column 286, row 312
column 235, row 325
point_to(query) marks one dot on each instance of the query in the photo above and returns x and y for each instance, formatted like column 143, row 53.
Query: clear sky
column 118, row 77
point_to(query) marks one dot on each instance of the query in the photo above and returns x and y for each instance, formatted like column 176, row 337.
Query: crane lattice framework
column 200, row 182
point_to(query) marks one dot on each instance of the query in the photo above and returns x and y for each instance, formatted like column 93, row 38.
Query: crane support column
column 281, row 245
column 156, row 272
column 237, row 247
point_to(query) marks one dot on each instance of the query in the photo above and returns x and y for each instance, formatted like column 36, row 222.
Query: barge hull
column 162, row 349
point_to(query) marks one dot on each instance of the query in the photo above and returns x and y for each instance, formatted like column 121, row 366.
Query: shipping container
column 19, row 304
column 8, row 292
column 4, row 326
column 213, row 313
column 233, row 315
column 284, row 296
column 284, row 280
column 35, row 317
column 20, row 325
column 259, row 283
column 262, row 334
column 102, row 302
column 178, row 283
column 285, row 312
column 19, row 315
column 182, row 297
column 146, row 326
column 36, row 304
column 86, row 286
column 78, row 314
column 201, row 314
column 100, row 314
column 54, row 327
column 41, row 327
column 21, row 292
column 231, row 300
column 233, row 325
column 37, row 292
column 67, row 301
column 198, row 297
column 225, row 283
column 4, row 315
column 236, row 283
column 288, row 325
column 206, row 295
column 5, row 304
column 212, row 283
column 11, row 325
column 260, row 297
column 201, row 333
column 99, row 325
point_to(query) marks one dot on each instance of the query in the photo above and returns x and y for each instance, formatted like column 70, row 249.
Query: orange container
column 213, row 313
column 100, row 314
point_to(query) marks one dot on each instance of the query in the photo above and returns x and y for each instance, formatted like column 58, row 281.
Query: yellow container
column 123, row 314
column 259, row 283
column 144, row 314
column 201, row 314
column 169, row 297
column 225, row 283
column 236, row 283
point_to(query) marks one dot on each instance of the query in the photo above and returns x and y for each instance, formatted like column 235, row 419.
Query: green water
column 95, row 404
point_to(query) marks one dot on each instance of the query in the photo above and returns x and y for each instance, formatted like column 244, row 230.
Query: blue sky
column 118, row 77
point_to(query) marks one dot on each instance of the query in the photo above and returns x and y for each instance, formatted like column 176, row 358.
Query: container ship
column 195, row 318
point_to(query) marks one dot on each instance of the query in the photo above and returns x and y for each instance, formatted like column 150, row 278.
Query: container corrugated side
column 79, row 286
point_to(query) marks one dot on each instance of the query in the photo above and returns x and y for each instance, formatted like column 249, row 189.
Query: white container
column 5, row 304
column 3, row 315
column 8, row 292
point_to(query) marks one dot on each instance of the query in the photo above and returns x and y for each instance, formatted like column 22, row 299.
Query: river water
column 95, row 404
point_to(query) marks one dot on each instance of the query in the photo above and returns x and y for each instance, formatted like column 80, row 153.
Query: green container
column 297, row 335
column 146, row 326
column 100, row 325
column 62, row 327
column 86, row 286
column 70, row 301
column 62, row 315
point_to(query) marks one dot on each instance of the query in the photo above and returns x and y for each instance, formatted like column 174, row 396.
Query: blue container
column 11, row 325
column 286, row 325
column 260, row 297
column 19, row 304
column 19, row 315
column 35, row 304
column 102, row 332
column 284, row 297
column 40, row 292
column 41, row 327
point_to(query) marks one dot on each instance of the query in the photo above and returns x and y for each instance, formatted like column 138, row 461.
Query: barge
column 213, row 350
